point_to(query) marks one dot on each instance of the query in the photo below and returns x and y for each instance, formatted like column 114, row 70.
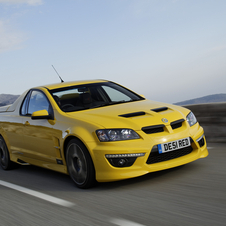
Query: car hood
column 134, row 115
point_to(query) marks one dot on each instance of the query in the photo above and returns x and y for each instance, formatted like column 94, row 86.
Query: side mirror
column 42, row 114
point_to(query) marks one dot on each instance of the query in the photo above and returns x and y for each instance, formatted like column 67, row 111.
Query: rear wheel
column 79, row 164
column 5, row 161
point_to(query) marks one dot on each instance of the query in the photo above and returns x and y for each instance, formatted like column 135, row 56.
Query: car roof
column 72, row 83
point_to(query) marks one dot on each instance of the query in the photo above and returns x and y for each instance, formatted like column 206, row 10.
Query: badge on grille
column 165, row 120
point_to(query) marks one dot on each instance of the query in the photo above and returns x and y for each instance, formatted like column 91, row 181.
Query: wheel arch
column 3, row 135
column 91, row 176
column 68, row 139
column 5, row 155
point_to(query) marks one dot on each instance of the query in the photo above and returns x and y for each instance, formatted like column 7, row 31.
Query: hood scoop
column 134, row 114
column 140, row 113
column 160, row 109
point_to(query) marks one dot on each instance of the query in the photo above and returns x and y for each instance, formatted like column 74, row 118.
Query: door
column 39, row 142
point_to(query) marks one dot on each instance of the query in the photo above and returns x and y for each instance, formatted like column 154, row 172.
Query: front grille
column 155, row 157
column 177, row 124
column 153, row 129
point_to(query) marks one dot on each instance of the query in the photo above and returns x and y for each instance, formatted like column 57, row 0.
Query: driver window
column 38, row 101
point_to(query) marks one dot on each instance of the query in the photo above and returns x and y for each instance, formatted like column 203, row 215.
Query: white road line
column 122, row 222
column 210, row 147
column 40, row 195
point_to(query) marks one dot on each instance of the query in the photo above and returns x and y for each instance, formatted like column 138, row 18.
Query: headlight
column 116, row 134
column 191, row 119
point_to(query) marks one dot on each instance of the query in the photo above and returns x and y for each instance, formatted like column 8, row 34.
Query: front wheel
column 5, row 161
column 79, row 164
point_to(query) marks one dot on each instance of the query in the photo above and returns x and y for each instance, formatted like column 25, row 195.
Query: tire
column 79, row 164
column 5, row 161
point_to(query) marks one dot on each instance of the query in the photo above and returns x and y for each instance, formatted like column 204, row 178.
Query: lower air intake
column 201, row 142
column 155, row 157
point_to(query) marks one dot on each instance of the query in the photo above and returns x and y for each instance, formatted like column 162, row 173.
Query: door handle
column 26, row 123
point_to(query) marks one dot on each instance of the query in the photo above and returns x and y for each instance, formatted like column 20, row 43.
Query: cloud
column 9, row 39
column 29, row 2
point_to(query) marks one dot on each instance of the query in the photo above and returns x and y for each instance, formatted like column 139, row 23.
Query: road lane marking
column 40, row 195
column 122, row 222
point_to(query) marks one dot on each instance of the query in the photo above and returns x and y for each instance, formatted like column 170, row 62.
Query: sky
column 167, row 50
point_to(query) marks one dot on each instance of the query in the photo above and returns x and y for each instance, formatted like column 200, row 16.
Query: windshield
column 89, row 96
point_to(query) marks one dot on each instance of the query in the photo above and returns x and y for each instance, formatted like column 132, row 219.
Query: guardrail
column 212, row 117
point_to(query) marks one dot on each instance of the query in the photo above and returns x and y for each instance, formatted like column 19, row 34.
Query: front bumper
column 106, row 172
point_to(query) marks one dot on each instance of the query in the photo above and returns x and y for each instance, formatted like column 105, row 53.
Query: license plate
column 174, row 145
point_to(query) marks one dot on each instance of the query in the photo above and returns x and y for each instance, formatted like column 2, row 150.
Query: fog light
column 121, row 162
column 124, row 155
column 201, row 141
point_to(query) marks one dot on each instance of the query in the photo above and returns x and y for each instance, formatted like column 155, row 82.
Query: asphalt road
column 193, row 194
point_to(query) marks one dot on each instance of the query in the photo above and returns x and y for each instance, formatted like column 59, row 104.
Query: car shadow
column 43, row 179
column 145, row 180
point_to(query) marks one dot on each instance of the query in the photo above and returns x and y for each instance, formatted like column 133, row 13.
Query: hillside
column 6, row 99
column 206, row 99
